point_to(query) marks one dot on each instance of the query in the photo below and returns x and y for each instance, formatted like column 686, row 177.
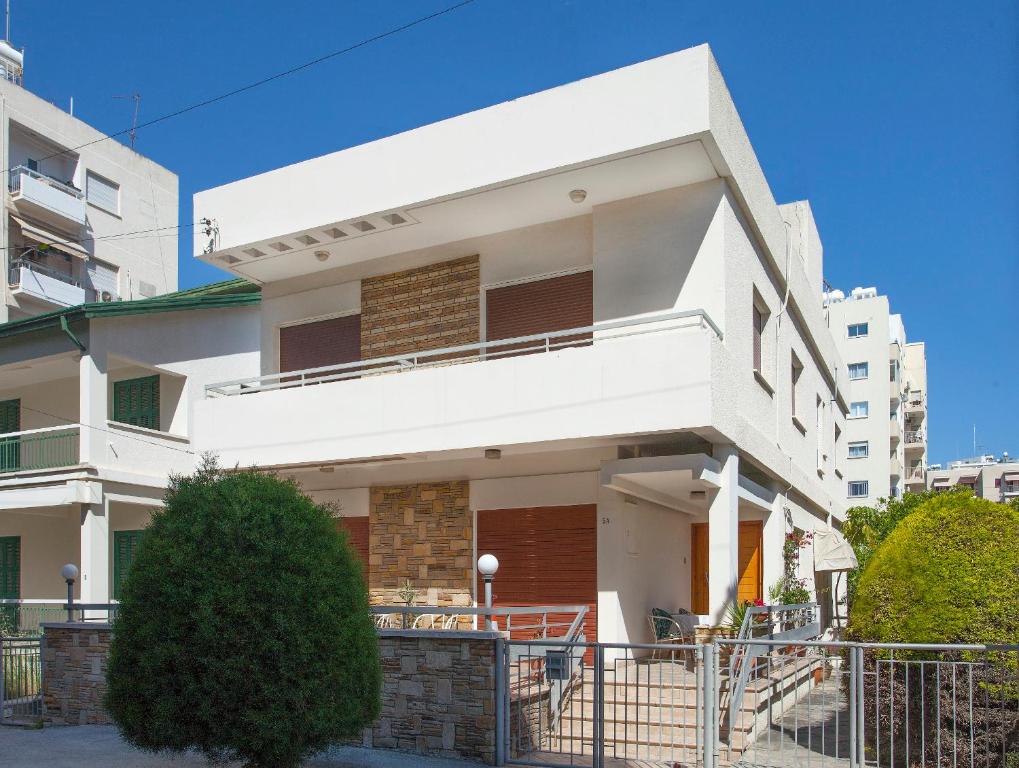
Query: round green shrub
column 243, row 629
column 948, row 573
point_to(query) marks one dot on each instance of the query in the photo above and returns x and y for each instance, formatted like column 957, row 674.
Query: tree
column 243, row 630
column 866, row 527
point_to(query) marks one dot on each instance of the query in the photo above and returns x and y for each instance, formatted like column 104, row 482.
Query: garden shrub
column 243, row 630
column 947, row 573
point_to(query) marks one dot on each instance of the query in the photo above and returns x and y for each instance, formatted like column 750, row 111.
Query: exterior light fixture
column 493, row 453
column 487, row 566
column 578, row 195
column 70, row 574
column 321, row 255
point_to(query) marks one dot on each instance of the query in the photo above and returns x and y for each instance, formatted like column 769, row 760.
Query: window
column 125, row 547
column 102, row 193
column 857, row 330
column 859, row 410
column 32, row 165
column 858, row 371
column 10, row 447
column 859, row 449
column 796, row 369
column 858, row 488
column 758, row 336
column 136, row 401
column 822, row 457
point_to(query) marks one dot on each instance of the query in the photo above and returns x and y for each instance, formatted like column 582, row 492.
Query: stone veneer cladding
column 74, row 673
column 423, row 533
column 429, row 307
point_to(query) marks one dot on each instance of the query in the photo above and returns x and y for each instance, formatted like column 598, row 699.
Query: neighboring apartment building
column 65, row 209
column 573, row 329
column 95, row 412
column 885, row 451
column 988, row 477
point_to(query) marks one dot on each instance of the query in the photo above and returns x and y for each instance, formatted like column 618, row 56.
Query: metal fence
column 804, row 703
column 47, row 448
column 20, row 679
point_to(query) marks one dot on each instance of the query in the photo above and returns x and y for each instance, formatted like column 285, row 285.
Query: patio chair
column 671, row 628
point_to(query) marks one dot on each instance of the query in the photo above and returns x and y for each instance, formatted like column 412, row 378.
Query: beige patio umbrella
column 833, row 553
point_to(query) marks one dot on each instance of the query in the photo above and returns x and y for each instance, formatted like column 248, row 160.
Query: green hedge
column 244, row 630
column 948, row 573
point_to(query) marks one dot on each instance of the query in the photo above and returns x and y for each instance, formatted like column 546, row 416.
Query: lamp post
column 70, row 574
column 487, row 566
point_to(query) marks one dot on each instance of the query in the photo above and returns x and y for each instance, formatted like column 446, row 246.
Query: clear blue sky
column 898, row 121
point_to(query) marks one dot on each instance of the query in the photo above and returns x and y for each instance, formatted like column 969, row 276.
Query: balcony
column 894, row 392
column 623, row 377
column 895, row 467
column 895, row 431
column 915, row 476
column 1010, row 488
column 27, row 278
column 46, row 199
column 916, row 401
column 37, row 449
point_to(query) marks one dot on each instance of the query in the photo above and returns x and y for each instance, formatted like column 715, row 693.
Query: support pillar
column 95, row 553
column 775, row 529
column 92, row 403
column 723, row 535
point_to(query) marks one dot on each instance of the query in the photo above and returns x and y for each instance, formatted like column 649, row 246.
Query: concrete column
column 774, row 539
column 92, row 403
column 95, row 553
column 723, row 535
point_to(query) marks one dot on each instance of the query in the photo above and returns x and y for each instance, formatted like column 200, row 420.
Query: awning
column 1014, row 475
column 41, row 235
column 832, row 552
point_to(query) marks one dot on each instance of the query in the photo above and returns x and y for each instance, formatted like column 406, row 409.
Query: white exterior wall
column 148, row 195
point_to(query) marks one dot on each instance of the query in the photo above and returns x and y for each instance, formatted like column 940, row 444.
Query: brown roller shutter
column 323, row 342
column 540, row 306
column 357, row 535
column 547, row 556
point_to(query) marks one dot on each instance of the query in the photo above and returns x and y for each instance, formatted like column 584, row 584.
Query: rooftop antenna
column 134, row 122
column 7, row 22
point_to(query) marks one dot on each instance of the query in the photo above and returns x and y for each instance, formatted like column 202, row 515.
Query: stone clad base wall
column 438, row 694
column 74, row 673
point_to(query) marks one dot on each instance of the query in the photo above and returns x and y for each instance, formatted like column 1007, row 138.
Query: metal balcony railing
column 468, row 353
column 914, row 437
column 14, row 274
column 17, row 172
column 48, row 448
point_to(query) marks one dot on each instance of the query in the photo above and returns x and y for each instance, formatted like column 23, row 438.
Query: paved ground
column 101, row 747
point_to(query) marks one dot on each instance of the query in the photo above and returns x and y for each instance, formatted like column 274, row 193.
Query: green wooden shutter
column 10, row 448
column 10, row 581
column 125, row 546
column 136, row 401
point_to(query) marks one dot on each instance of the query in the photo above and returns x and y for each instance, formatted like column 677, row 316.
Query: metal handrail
column 46, row 448
column 33, row 266
column 484, row 350
column 17, row 172
column 914, row 436
column 574, row 630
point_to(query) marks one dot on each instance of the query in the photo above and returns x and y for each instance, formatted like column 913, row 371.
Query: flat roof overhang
column 625, row 133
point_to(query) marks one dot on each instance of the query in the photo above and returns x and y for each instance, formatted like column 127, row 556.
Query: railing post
column 708, row 700
column 598, row 745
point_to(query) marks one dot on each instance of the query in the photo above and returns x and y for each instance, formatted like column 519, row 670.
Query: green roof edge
column 228, row 293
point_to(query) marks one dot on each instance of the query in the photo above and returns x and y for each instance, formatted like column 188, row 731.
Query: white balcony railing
column 914, row 438
column 45, row 284
column 466, row 353
column 46, row 195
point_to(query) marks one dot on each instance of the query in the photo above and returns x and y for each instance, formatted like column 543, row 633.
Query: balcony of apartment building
column 51, row 200
column 894, row 429
column 1009, row 485
column 915, row 440
column 916, row 475
column 34, row 278
column 915, row 402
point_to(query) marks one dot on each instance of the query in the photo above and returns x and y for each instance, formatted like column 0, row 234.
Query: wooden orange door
column 547, row 556
column 750, row 586
column 699, row 568
column 751, row 576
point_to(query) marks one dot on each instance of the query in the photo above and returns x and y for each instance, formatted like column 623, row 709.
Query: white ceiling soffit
column 509, row 206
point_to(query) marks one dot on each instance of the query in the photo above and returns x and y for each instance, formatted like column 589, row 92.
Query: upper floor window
column 856, row 330
column 102, row 193
column 859, row 371
column 859, row 449
column 760, row 321
column 796, row 370
column 859, row 488
column 32, row 164
column 859, row 409
column 136, row 401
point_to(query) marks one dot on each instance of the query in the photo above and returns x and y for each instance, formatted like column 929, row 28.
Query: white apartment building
column 65, row 210
column 95, row 413
column 574, row 330
column 988, row 477
column 884, row 451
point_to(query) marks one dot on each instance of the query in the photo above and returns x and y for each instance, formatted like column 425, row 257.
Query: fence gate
column 756, row 702
column 20, row 679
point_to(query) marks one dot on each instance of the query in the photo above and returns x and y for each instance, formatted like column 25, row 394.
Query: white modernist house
column 65, row 208
column 884, row 452
column 95, row 413
column 574, row 330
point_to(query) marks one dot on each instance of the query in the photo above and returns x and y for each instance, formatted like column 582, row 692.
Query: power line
column 107, row 431
column 265, row 80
